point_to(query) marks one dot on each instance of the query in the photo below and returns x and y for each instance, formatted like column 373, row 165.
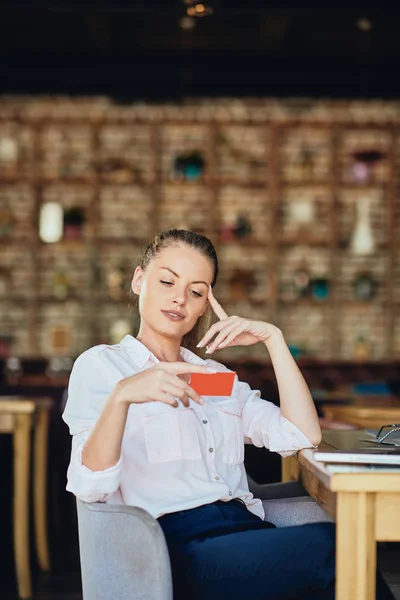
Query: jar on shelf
column 7, row 221
column 74, row 221
column 61, row 284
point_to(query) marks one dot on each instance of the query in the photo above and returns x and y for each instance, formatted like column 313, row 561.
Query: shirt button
column 211, row 449
column 217, row 477
column 205, row 421
column 230, row 493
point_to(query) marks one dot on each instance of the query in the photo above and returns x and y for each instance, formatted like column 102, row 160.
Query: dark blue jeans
column 221, row 551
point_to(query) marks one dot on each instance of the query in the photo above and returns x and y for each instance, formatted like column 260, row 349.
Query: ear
column 137, row 281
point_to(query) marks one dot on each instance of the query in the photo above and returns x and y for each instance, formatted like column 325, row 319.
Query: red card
column 212, row 384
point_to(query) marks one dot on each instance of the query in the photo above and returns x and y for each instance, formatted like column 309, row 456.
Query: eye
column 166, row 282
column 197, row 294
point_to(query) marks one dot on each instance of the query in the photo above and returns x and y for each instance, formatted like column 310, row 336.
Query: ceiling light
column 199, row 10
column 364, row 24
column 187, row 23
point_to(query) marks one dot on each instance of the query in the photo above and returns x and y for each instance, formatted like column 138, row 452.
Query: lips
column 173, row 315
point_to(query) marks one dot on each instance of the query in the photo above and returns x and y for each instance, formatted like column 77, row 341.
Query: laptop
column 355, row 447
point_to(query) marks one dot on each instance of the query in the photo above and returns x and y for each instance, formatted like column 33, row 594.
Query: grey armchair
column 123, row 551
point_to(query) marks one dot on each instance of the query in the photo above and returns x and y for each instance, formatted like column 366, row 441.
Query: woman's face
column 174, row 283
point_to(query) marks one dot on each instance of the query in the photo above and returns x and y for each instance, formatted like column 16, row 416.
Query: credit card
column 212, row 384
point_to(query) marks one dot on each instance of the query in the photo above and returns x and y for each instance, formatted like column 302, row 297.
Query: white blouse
column 172, row 458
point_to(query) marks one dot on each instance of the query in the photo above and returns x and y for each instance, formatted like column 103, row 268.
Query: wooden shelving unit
column 119, row 169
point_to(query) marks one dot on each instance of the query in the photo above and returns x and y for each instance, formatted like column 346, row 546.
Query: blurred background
column 274, row 130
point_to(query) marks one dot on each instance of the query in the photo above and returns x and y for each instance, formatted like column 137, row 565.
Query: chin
column 170, row 330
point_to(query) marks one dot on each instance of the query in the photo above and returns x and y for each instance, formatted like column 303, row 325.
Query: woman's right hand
column 161, row 383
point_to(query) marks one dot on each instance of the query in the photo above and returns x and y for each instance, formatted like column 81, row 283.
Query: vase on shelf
column 364, row 162
column 362, row 242
column 189, row 166
column 51, row 222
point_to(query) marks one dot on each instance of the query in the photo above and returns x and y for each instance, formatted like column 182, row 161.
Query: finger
column 230, row 338
column 177, row 392
column 183, row 392
column 215, row 305
column 213, row 330
column 166, row 399
column 194, row 395
column 216, row 341
column 210, row 334
column 221, row 337
column 180, row 368
column 177, row 387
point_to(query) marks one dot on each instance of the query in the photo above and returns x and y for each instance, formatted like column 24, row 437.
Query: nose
column 179, row 297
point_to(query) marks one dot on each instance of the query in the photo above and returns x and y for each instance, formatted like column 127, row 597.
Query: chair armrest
column 272, row 491
column 123, row 553
column 286, row 504
column 286, row 512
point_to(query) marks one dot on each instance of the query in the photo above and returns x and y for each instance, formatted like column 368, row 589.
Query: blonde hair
column 198, row 242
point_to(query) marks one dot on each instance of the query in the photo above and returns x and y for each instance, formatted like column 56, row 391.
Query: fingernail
column 208, row 351
column 198, row 345
column 201, row 401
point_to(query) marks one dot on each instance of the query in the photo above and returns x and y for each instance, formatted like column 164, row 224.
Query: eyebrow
column 176, row 275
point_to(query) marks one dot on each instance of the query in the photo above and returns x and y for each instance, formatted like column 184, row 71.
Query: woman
column 142, row 436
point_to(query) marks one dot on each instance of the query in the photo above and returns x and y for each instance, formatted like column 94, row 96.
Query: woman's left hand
column 234, row 331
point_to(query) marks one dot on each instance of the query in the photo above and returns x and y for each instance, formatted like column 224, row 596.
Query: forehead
column 184, row 260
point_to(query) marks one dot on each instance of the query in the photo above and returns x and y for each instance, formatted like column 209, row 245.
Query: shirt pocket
column 171, row 435
column 230, row 420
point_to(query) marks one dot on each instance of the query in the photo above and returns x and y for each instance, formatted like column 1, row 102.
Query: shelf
column 198, row 183
column 353, row 185
column 306, row 183
column 57, row 300
column 363, row 304
column 40, row 180
column 7, row 179
column 250, row 301
column 290, row 242
column 240, row 183
column 330, row 183
column 244, row 243
column 77, row 245
column 304, row 302
column 120, row 241
column 126, row 300
column 331, row 300
column 134, row 179
column 17, row 299
column 215, row 182
column 38, row 380
column 344, row 248
column 14, row 241
column 93, row 179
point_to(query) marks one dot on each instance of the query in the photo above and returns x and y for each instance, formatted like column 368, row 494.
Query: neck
column 165, row 349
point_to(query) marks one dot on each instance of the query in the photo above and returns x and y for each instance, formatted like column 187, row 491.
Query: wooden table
column 18, row 416
column 365, row 417
column 366, row 507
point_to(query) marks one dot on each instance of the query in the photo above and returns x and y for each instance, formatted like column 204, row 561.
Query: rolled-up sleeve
column 88, row 390
column 264, row 424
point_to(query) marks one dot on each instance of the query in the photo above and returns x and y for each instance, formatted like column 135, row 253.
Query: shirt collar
column 141, row 354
